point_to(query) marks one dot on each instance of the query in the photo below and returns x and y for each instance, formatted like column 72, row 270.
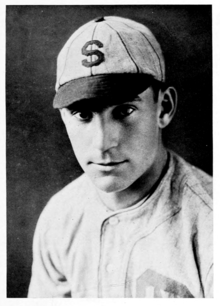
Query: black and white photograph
column 109, row 151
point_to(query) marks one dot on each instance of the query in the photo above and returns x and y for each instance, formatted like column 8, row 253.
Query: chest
column 132, row 258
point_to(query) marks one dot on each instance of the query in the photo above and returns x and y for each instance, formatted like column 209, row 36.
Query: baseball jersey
column 160, row 247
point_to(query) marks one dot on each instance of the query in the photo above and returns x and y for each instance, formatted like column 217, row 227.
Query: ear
column 167, row 106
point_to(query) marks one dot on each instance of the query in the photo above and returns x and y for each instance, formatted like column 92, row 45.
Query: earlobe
column 167, row 107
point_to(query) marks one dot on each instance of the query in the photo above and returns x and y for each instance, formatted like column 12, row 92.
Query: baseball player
column 138, row 222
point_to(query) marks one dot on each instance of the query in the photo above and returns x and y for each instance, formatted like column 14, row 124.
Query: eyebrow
column 100, row 104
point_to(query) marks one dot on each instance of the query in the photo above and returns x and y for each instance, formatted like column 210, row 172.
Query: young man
column 138, row 222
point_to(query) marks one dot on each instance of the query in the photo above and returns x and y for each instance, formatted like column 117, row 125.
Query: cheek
column 77, row 138
column 80, row 138
column 144, row 135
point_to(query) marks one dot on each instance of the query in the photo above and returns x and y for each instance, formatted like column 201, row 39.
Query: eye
column 84, row 116
column 123, row 111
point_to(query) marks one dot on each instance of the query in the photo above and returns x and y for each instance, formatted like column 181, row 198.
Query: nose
column 106, row 133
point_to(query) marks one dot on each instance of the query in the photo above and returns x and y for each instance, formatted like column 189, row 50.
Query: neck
column 142, row 187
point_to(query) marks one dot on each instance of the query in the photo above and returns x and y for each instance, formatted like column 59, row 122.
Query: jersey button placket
column 110, row 262
column 113, row 221
column 110, row 268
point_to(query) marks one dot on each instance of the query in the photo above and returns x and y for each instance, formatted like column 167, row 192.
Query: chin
column 108, row 184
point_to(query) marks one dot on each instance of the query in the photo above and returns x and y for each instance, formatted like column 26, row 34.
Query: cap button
column 99, row 19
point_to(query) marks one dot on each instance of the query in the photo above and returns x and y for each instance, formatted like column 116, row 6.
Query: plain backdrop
column 40, row 160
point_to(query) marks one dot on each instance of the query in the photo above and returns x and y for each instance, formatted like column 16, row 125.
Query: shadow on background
column 40, row 160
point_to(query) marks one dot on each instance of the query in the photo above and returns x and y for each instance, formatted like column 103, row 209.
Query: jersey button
column 109, row 268
column 113, row 221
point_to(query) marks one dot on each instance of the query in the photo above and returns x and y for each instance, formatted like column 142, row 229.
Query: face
column 117, row 143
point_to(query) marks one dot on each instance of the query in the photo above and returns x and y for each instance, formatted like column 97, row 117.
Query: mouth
column 111, row 163
column 107, row 166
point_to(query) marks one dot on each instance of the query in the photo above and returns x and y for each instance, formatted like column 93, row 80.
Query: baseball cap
column 107, row 57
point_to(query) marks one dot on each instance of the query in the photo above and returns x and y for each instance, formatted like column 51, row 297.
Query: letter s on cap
column 96, row 52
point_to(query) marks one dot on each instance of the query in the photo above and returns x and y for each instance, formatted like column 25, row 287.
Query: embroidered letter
column 99, row 54
column 152, row 284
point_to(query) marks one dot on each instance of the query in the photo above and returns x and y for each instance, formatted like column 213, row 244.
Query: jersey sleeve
column 48, row 279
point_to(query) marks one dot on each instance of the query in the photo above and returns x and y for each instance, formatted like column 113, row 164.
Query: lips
column 110, row 164
column 106, row 166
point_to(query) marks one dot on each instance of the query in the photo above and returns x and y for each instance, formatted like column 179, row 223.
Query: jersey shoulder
column 71, row 193
column 193, row 182
column 68, row 204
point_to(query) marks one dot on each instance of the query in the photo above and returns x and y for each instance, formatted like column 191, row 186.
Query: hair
column 157, row 86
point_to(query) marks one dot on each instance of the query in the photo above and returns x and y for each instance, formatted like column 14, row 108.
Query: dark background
column 40, row 160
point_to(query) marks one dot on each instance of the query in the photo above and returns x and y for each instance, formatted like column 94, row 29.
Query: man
column 138, row 222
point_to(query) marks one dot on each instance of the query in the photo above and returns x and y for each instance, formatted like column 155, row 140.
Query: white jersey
column 160, row 247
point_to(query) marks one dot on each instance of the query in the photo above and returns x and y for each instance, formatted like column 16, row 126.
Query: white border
column 216, row 136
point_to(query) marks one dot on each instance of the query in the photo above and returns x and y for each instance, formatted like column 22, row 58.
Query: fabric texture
column 160, row 247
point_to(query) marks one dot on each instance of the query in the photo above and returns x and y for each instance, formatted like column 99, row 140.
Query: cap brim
column 100, row 86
